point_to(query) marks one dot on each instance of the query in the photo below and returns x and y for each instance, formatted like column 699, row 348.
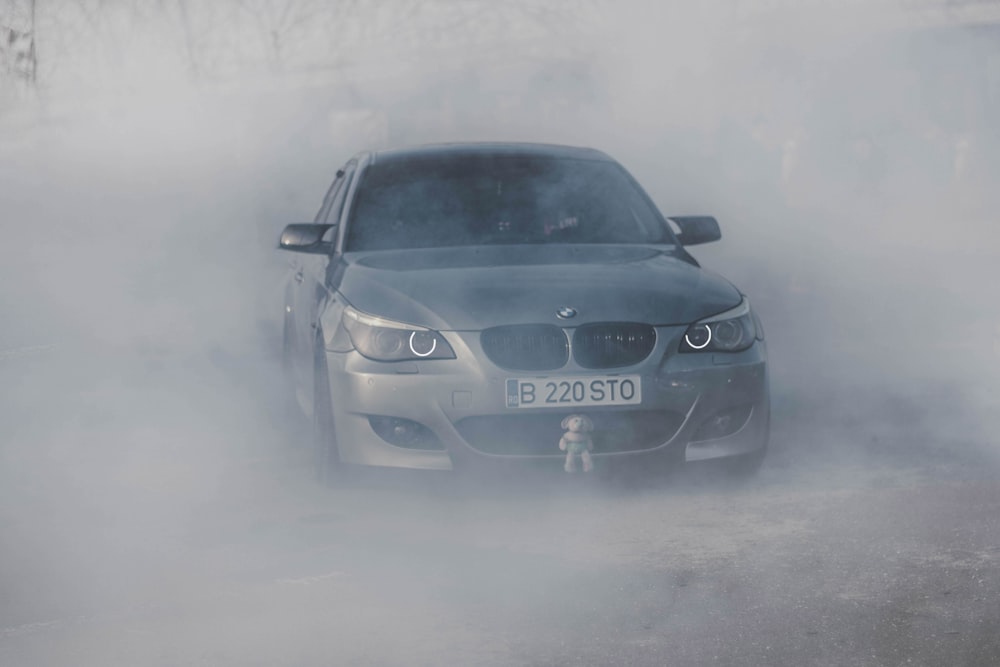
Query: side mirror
column 306, row 237
column 697, row 229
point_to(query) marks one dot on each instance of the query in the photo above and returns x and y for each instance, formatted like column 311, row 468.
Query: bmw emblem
column 566, row 313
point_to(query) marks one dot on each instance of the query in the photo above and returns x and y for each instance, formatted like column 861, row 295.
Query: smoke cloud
column 850, row 155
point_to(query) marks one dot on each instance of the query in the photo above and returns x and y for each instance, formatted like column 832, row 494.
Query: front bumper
column 694, row 407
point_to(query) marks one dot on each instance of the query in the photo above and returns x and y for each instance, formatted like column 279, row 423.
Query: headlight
column 385, row 340
column 731, row 331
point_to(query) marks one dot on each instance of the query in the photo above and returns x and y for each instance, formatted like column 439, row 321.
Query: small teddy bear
column 576, row 440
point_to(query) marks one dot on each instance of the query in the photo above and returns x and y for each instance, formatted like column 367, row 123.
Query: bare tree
column 280, row 21
column 119, row 42
column 18, row 51
column 190, row 38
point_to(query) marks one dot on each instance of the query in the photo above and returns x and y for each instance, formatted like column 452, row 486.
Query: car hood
column 473, row 288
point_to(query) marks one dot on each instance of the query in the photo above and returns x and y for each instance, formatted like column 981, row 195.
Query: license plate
column 573, row 392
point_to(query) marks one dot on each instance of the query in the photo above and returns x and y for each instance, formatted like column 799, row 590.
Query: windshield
column 443, row 201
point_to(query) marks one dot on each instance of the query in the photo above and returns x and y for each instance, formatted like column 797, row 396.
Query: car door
column 309, row 289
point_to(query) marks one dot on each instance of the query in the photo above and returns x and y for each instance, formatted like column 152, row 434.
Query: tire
column 326, row 456
column 744, row 466
column 292, row 416
column 286, row 345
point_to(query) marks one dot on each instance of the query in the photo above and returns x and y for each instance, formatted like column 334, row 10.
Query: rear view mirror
column 306, row 237
column 697, row 229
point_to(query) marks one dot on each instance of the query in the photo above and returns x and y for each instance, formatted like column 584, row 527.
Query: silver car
column 452, row 305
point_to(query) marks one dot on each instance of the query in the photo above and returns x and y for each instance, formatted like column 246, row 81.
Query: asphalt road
column 153, row 512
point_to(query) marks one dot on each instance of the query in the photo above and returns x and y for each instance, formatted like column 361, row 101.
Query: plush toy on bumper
column 576, row 440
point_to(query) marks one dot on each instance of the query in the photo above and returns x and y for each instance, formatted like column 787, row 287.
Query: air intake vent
column 612, row 344
column 528, row 347
column 532, row 434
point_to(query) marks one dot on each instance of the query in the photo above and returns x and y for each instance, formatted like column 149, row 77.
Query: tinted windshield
column 453, row 200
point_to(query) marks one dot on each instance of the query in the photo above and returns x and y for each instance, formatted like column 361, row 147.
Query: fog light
column 404, row 433
column 723, row 423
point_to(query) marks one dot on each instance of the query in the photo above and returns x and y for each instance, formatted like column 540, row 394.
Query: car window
column 498, row 200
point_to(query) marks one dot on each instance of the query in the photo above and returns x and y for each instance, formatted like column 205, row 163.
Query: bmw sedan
column 452, row 305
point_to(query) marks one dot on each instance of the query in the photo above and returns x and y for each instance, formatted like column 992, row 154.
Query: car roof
column 488, row 148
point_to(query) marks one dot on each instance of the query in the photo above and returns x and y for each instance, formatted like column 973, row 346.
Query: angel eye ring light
column 687, row 339
column 413, row 349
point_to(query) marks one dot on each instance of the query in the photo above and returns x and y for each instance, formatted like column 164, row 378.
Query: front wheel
column 291, row 412
column 327, row 457
column 744, row 466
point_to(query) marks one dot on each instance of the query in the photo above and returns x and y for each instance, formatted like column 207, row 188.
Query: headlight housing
column 731, row 331
column 380, row 339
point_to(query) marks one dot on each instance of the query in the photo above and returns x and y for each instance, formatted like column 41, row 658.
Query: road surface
column 153, row 512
